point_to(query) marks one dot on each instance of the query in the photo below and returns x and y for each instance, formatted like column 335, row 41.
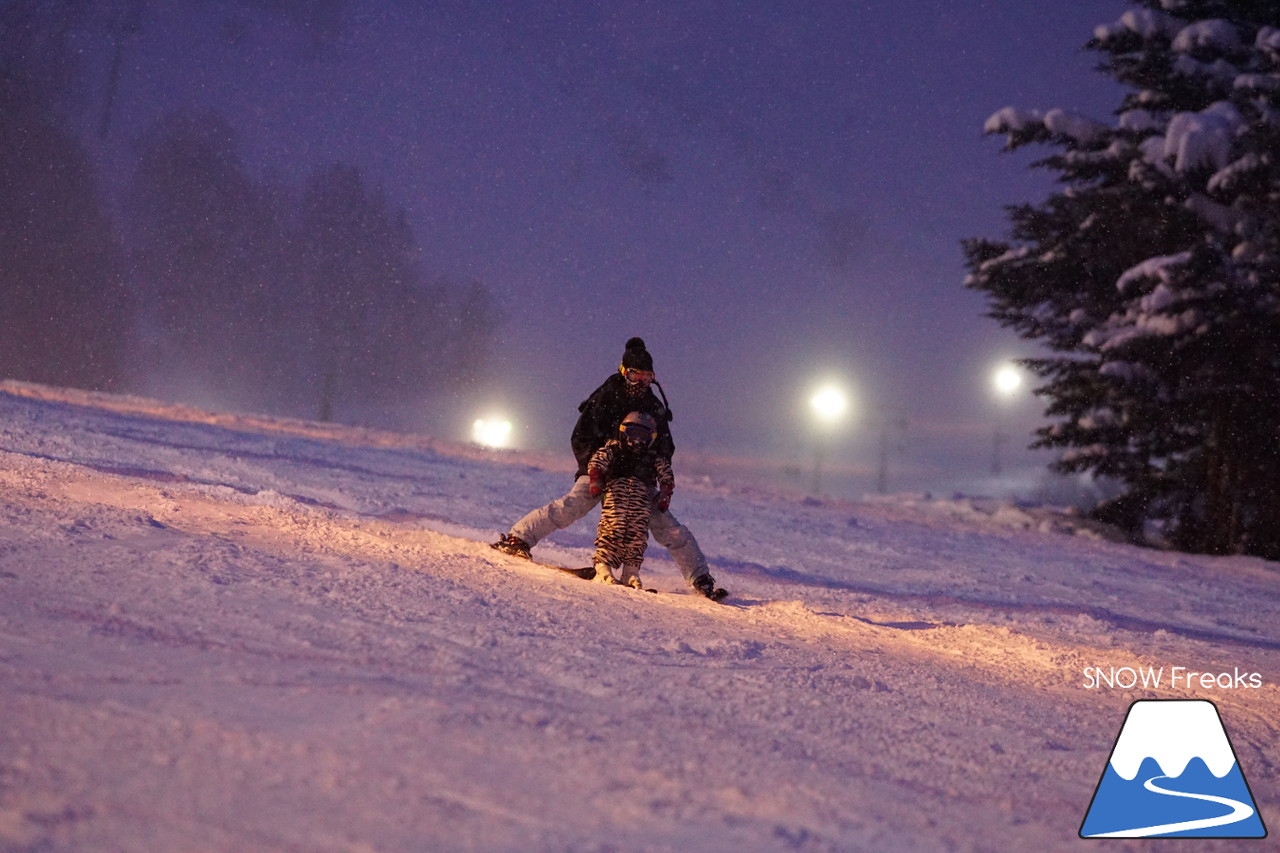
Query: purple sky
column 765, row 192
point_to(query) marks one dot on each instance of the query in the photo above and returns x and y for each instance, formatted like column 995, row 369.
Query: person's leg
column 557, row 515
column 679, row 542
column 610, row 536
column 629, row 575
column 638, row 508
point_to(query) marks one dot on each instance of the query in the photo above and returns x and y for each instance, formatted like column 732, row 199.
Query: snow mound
column 998, row 516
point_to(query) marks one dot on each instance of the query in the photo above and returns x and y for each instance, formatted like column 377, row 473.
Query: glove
column 664, row 496
column 597, row 483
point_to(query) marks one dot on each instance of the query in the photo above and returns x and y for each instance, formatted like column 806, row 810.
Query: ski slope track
column 224, row 632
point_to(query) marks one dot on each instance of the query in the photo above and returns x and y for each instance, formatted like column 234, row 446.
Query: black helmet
column 638, row 429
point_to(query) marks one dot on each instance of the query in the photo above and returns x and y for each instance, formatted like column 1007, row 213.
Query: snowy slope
column 225, row 633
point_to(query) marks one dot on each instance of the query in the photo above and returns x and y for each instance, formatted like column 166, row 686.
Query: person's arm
column 663, row 444
column 588, row 435
column 666, row 483
column 590, row 432
column 598, row 467
column 583, row 440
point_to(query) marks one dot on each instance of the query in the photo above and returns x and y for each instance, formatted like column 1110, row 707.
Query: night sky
column 768, row 193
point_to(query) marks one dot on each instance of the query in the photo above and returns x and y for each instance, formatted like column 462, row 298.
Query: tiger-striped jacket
column 615, row 460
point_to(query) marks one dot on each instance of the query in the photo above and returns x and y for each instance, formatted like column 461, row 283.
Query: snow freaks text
column 1174, row 678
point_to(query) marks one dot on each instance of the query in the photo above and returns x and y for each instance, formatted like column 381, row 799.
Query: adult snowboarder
column 599, row 416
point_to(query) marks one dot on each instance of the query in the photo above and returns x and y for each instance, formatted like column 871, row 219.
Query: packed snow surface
column 234, row 633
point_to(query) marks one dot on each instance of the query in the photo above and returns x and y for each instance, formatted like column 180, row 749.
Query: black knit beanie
column 637, row 357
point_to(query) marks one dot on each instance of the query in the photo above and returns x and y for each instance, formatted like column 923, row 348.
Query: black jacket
column 601, row 413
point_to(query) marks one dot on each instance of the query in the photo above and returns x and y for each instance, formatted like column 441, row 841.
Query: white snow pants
column 667, row 531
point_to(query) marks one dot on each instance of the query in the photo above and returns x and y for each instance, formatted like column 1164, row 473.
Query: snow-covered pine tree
column 1153, row 277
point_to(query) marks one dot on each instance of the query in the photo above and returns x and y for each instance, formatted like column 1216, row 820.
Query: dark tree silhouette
column 208, row 246
column 376, row 334
column 64, row 314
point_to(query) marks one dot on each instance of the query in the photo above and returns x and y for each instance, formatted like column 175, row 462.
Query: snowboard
column 588, row 573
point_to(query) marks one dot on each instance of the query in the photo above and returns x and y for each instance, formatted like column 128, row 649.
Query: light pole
column 828, row 403
column 1006, row 381
column 892, row 438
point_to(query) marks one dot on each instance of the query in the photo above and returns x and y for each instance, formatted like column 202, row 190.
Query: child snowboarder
column 634, row 479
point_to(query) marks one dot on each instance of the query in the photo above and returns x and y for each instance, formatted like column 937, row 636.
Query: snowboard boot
column 706, row 585
column 604, row 574
column 630, row 576
column 513, row 545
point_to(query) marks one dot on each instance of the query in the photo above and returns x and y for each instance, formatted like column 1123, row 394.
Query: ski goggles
column 637, row 377
column 637, row 432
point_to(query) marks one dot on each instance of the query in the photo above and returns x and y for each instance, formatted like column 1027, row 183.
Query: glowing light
column 491, row 432
column 1007, row 380
column 829, row 403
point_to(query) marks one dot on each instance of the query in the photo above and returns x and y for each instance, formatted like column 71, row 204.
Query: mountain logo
column 1172, row 774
